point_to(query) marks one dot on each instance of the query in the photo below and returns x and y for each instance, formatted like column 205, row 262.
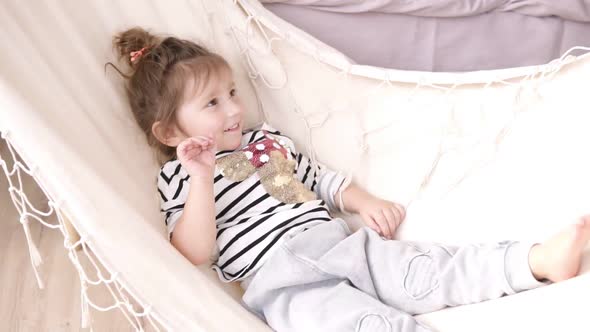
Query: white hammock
column 476, row 156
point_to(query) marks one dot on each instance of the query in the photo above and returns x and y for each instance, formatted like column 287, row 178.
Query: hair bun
column 133, row 40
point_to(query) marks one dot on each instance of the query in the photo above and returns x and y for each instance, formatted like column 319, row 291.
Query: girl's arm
column 195, row 231
column 380, row 215
column 353, row 198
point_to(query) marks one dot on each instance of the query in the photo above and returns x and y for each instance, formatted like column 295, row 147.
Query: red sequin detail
column 261, row 150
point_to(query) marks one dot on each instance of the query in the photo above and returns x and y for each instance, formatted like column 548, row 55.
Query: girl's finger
column 213, row 146
column 391, row 220
column 402, row 210
column 185, row 146
column 388, row 214
column 200, row 140
column 188, row 144
column 383, row 225
column 201, row 137
column 371, row 223
column 397, row 215
column 195, row 142
column 194, row 150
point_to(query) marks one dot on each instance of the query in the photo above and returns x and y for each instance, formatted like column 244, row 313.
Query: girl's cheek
column 216, row 122
column 218, row 128
column 241, row 106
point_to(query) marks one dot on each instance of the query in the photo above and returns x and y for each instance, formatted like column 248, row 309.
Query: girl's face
column 215, row 111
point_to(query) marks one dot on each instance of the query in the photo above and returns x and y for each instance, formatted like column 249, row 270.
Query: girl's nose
column 234, row 108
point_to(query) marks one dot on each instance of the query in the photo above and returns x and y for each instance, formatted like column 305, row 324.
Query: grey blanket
column 576, row 10
column 443, row 35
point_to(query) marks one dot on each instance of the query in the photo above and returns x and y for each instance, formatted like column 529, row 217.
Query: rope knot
column 23, row 219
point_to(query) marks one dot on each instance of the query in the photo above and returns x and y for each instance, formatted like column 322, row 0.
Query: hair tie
column 137, row 54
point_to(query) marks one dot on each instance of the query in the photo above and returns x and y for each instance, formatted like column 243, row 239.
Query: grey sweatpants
column 325, row 279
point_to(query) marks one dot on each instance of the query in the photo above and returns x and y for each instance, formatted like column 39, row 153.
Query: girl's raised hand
column 197, row 156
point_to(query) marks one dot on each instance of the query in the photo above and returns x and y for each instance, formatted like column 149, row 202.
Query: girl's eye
column 212, row 103
column 233, row 92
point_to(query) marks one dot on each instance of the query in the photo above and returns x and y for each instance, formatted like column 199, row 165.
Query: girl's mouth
column 232, row 128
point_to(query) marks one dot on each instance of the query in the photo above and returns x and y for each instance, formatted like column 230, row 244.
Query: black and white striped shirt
column 251, row 222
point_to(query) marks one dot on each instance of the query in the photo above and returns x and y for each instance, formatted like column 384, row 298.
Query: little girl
column 249, row 201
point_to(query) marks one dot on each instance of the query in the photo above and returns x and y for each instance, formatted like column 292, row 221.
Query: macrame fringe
column 85, row 310
column 36, row 259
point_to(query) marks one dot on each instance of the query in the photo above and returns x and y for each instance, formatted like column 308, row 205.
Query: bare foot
column 559, row 258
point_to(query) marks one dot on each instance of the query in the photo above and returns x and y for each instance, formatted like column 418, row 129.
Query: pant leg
column 424, row 277
column 303, row 279
column 292, row 294
column 333, row 305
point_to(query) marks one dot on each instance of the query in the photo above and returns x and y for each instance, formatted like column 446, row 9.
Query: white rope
column 34, row 254
column 85, row 311
column 539, row 74
column 85, row 300
column 28, row 212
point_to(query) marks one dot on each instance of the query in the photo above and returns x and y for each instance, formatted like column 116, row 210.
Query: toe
column 584, row 224
column 585, row 220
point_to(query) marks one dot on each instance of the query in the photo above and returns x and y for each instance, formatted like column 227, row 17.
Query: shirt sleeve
column 319, row 179
column 173, row 187
column 314, row 175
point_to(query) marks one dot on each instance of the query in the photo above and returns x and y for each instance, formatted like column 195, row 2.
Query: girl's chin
column 232, row 144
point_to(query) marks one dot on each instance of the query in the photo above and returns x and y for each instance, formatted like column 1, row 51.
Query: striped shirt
column 250, row 222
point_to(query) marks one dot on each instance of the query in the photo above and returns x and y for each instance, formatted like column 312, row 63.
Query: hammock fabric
column 477, row 156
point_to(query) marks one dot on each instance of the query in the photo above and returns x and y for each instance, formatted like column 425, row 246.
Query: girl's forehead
column 216, row 82
column 221, row 77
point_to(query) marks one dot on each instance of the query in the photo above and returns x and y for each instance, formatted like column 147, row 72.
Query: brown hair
column 157, row 82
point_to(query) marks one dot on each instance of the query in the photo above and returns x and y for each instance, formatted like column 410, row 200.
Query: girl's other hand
column 382, row 216
column 197, row 156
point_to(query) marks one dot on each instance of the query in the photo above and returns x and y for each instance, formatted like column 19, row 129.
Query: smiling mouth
column 232, row 128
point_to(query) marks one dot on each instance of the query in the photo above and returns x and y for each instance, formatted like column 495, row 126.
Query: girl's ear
column 170, row 136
